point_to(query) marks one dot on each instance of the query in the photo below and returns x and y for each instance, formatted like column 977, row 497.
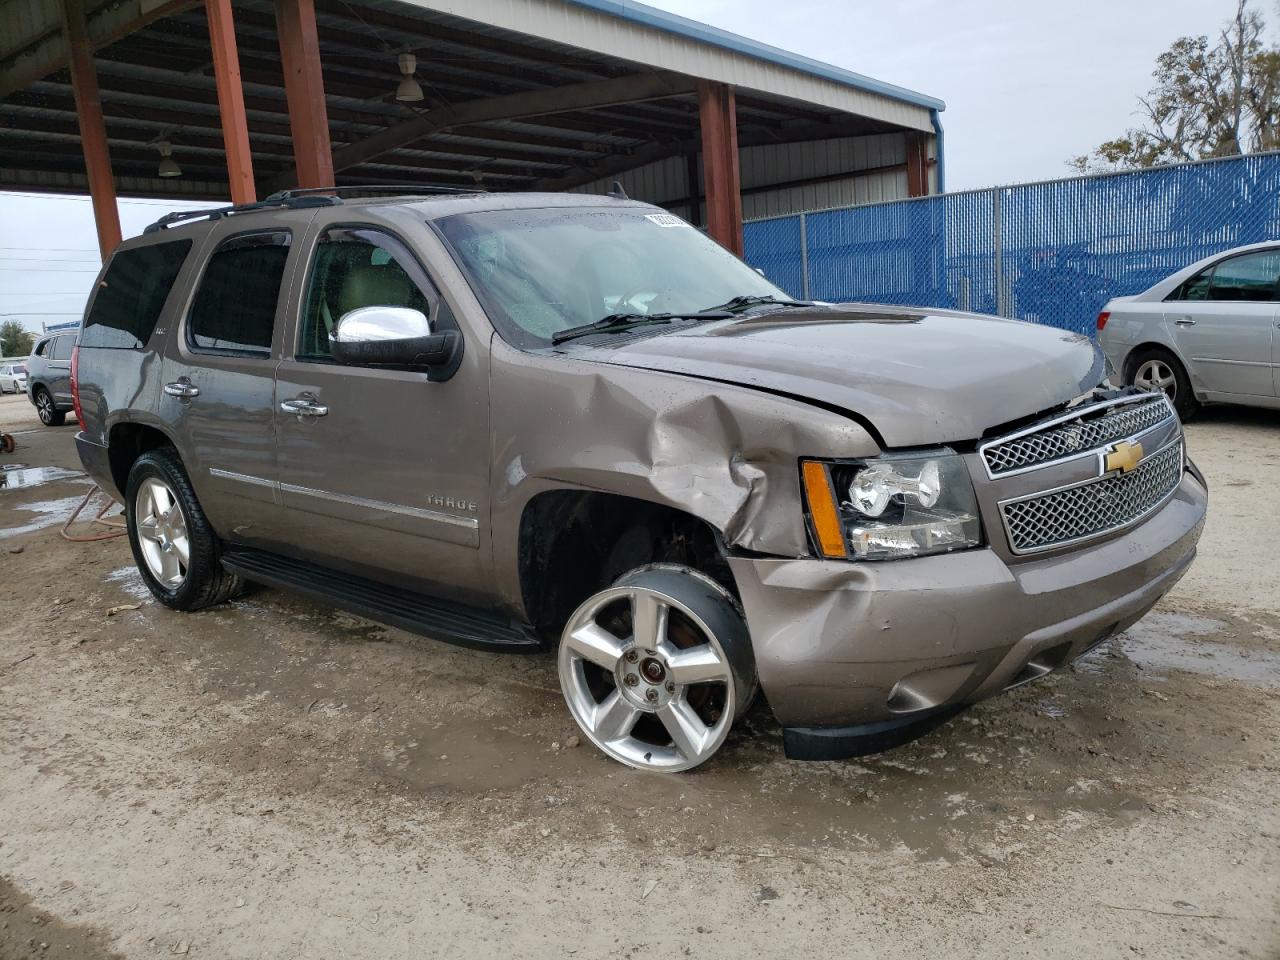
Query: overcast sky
column 1027, row 84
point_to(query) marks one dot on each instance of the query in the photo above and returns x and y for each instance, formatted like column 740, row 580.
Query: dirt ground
column 18, row 413
column 274, row 779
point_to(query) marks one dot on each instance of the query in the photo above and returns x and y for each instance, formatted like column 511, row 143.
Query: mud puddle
column 129, row 580
column 1177, row 641
column 49, row 513
column 13, row 476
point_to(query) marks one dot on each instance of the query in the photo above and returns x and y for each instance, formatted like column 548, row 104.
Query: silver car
column 13, row 378
column 1207, row 334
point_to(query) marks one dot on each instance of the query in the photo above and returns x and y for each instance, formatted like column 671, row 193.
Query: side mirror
column 391, row 336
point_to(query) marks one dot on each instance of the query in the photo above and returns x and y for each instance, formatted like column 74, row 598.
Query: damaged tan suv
column 546, row 422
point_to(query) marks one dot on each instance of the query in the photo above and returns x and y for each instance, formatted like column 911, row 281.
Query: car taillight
column 1103, row 317
column 75, row 383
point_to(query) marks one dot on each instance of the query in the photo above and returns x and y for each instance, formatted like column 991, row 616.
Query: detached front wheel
column 657, row 668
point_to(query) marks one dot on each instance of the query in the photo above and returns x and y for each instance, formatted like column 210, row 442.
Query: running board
column 416, row 612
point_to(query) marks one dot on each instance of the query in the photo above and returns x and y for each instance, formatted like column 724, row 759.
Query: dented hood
column 917, row 377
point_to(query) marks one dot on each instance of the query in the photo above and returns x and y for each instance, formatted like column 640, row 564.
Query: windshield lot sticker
column 665, row 219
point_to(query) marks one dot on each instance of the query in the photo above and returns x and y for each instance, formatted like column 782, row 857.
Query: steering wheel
column 627, row 298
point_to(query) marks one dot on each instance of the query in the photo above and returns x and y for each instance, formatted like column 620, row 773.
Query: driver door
column 382, row 471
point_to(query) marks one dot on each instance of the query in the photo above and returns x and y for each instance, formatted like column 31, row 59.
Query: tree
column 1216, row 99
column 14, row 340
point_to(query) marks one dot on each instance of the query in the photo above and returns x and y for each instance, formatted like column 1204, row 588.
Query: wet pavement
column 14, row 475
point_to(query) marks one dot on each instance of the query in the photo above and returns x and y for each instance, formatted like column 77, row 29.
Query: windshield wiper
column 625, row 321
column 751, row 300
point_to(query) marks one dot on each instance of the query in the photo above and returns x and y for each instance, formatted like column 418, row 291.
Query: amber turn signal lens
column 822, row 509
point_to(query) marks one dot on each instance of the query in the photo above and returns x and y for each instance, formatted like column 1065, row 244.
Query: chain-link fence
column 1052, row 252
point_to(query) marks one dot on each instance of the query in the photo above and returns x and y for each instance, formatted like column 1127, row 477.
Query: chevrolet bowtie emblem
column 1123, row 456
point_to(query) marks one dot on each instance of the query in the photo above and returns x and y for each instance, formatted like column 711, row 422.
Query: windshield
column 539, row 272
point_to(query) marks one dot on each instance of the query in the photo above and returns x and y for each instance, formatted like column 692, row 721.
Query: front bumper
column 857, row 657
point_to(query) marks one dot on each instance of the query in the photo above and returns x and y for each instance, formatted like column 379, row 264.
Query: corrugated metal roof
column 705, row 33
column 638, row 34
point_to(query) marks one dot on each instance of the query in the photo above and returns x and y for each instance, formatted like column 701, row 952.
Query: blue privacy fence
column 1052, row 252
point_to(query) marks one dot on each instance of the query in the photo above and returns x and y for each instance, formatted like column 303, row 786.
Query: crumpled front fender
column 725, row 454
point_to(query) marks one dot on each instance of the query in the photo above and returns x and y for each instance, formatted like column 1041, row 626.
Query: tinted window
column 41, row 349
column 62, row 347
column 131, row 295
column 235, row 305
column 1251, row 278
column 357, row 267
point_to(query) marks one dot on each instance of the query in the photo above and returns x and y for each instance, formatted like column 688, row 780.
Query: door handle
column 304, row 406
column 182, row 388
column 1184, row 321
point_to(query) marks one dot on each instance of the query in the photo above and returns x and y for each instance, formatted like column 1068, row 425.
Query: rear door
column 392, row 477
column 1223, row 322
column 218, row 384
column 59, row 368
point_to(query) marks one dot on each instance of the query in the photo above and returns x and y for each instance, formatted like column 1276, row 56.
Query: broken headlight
column 892, row 507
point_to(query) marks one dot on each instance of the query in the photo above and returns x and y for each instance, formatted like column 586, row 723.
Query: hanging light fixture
column 168, row 166
column 409, row 90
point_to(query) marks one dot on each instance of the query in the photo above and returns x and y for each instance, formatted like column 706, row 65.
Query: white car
column 1206, row 334
column 13, row 378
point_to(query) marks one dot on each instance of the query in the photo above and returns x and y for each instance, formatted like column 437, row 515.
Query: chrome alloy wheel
column 1156, row 376
column 162, row 533
column 646, row 679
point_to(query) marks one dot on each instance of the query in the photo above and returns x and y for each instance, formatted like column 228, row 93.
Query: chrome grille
column 1063, row 516
column 1075, row 435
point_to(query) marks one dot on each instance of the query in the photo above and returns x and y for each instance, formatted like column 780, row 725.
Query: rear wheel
column 176, row 551
column 657, row 668
column 1159, row 371
column 50, row 415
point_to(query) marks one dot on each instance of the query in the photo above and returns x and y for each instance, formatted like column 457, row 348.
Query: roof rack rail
column 303, row 197
column 391, row 189
column 217, row 213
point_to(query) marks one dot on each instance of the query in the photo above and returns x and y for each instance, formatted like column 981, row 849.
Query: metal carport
column 518, row 94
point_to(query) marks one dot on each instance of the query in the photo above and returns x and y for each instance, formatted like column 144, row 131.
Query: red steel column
column 93, row 131
column 917, row 164
column 304, row 88
column 717, row 115
column 235, row 128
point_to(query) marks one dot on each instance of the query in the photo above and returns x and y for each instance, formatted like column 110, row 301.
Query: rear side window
column 1197, row 288
column 235, row 305
column 1250, row 278
column 62, row 347
column 131, row 295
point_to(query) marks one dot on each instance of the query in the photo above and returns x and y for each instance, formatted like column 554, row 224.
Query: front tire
column 1158, row 370
column 176, row 550
column 656, row 668
column 49, row 414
